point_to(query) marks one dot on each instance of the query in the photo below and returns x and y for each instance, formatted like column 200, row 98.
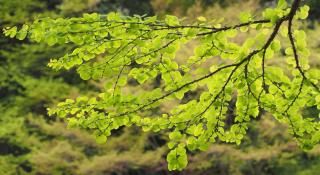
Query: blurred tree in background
column 140, row 7
column 33, row 143
column 30, row 142
column 313, row 4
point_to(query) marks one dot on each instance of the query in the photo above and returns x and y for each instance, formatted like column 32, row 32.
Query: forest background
column 31, row 142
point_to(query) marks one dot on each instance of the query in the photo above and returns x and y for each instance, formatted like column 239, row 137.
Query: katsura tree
column 238, row 82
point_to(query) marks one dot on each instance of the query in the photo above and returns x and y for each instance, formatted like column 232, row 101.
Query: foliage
column 122, row 50
column 30, row 141
column 26, row 86
column 313, row 4
column 34, row 143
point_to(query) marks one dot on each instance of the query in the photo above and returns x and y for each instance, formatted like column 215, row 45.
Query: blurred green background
column 33, row 143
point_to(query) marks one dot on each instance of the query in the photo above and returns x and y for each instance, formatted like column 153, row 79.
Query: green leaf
column 171, row 20
column 191, row 143
column 271, row 14
column 141, row 78
column 84, row 72
column 201, row 19
column 176, row 135
column 76, row 39
column 282, row 4
column 51, row 40
column 304, row 12
column 245, row 17
column 101, row 139
column 276, row 45
column 198, row 130
column 289, row 51
column 122, row 81
column 177, row 159
column 21, row 35
column 113, row 16
column 11, row 32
